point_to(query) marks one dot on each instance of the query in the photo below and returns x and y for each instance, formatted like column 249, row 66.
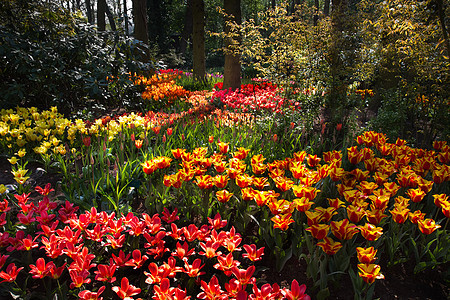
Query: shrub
column 51, row 57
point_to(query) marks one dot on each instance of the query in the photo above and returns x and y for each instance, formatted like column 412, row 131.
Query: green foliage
column 50, row 57
column 404, row 51
column 392, row 115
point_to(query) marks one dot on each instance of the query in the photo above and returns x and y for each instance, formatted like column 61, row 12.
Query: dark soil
column 400, row 281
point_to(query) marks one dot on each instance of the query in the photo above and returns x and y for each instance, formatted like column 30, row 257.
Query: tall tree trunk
column 125, row 13
column 140, row 25
column 326, row 8
column 441, row 12
column 112, row 22
column 273, row 4
column 232, row 69
column 101, row 12
column 198, row 39
column 187, row 30
column 316, row 14
column 337, row 69
column 90, row 15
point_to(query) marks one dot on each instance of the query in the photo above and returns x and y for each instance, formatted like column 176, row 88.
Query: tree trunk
column 441, row 12
column 112, row 22
column 90, row 15
column 125, row 13
column 198, row 39
column 101, row 12
column 140, row 25
column 326, row 8
column 232, row 69
column 337, row 69
column 316, row 14
column 187, row 30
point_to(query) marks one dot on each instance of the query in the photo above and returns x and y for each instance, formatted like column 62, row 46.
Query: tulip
column 366, row 255
column 370, row 272
column 370, row 232
column 319, row 231
column 427, row 226
column 329, row 246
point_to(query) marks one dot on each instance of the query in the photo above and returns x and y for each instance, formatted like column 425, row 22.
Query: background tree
column 232, row 68
column 187, row 28
column 198, row 39
column 89, row 12
column 140, row 26
column 101, row 13
column 51, row 58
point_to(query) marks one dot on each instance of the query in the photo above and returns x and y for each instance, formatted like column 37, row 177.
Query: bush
column 51, row 57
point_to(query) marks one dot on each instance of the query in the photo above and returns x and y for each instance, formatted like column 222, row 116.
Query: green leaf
column 323, row 294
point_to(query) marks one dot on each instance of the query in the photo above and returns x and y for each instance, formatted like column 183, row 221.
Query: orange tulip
column 370, row 272
column 401, row 202
column 282, row 221
column 313, row 217
column 313, row 160
column 319, row 231
column 329, row 246
column 380, row 178
column 335, row 173
column 445, row 206
column 283, row 183
column 371, row 164
column 148, row 167
column 138, row 144
column 399, row 215
column 328, row 213
column 375, row 216
column 366, row 255
column 220, row 166
column 440, row 175
column 223, row 196
column 261, row 197
column 355, row 213
column 370, row 232
column 328, row 157
column 416, row 216
column 367, row 187
column 354, row 156
column 241, row 153
column 427, row 226
column 380, row 202
column 177, row 153
column 336, row 203
column 280, row 206
column 223, row 147
column 416, row 195
column 305, row 191
column 351, row 195
column 162, row 162
column 343, row 230
column 247, row 193
column 391, row 187
column 243, row 180
column 220, row 181
column 439, row 199
column 204, row 182
column 260, row 182
column 425, row 185
column 302, row 204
